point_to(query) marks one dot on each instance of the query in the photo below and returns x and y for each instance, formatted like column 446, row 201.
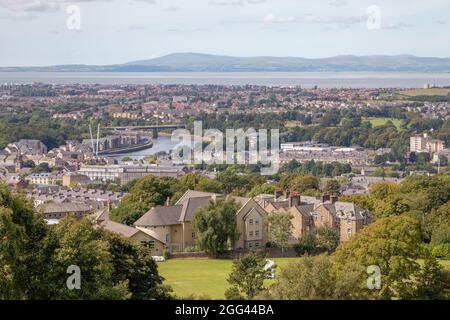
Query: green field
column 293, row 124
column 376, row 122
column 207, row 277
column 425, row 92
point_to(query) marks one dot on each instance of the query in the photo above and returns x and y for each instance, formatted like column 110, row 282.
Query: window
column 250, row 245
column 256, row 221
column 167, row 237
column 251, row 221
column 250, row 233
column 257, row 233
column 257, row 244
column 148, row 243
column 193, row 235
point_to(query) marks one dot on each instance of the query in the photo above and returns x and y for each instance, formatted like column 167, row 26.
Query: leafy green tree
column 430, row 285
column 327, row 238
column 280, row 229
column 21, row 231
column 247, row 276
column 41, row 168
column 34, row 258
column 310, row 278
column 78, row 244
column 299, row 183
column 436, row 218
column 261, row 189
column 394, row 245
column 333, row 186
column 391, row 206
column 134, row 265
column 441, row 235
column 306, row 244
column 146, row 193
column 215, row 226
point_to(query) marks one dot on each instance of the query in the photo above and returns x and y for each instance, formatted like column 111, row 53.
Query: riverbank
column 127, row 150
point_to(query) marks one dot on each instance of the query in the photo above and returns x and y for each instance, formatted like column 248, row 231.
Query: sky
column 101, row 32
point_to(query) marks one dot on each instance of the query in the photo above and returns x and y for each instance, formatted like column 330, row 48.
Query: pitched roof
column 151, row 233
column 191, row 205
column 195, row 194
column 56, row 207
column 182, row 211
column 122, row 229
column 305, row 209
column 161, row 216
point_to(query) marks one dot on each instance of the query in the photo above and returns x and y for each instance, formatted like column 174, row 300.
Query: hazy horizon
column 251, row 56
column 105, row 32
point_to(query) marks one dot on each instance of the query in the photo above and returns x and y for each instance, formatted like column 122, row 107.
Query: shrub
column 166, row 254
column 306, row 244
column 441, row 251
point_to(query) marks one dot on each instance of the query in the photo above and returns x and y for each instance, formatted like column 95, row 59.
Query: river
column 159, row 144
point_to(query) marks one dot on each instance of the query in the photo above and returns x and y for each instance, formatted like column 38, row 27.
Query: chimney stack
column 325, row 197
column 278, row 193
column 287, row 194
column 333, row 198
column 294, row 199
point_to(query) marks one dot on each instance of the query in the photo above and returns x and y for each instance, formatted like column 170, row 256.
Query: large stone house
column 309, row 213
column 173, row 224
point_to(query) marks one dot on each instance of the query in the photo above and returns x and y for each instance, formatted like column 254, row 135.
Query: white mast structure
column 92, row 139
column 98, row 137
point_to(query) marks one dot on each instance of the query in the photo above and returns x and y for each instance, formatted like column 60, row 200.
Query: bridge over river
column 154, row 128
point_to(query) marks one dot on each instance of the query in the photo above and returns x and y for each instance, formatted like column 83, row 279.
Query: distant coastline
column 303, row 79
column 198, row 62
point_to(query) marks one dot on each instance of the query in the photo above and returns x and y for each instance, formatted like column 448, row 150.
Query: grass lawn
column 445, row 264
column 293, row 124
column 376, row 122
column 206, row 277
column 425, row 92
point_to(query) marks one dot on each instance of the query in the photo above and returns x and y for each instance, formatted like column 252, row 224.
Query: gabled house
column 173, row 224
column 144, row 237
column 309, row 213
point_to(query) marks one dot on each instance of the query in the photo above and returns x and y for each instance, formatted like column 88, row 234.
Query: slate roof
column 161, row 216
column 54, row 207
column 122, row 229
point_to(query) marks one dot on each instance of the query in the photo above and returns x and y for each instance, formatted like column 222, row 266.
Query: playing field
column 425, row 92
column 207, row 277
column 376, row 122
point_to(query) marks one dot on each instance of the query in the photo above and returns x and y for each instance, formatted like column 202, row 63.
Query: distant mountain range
column 198, row 62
